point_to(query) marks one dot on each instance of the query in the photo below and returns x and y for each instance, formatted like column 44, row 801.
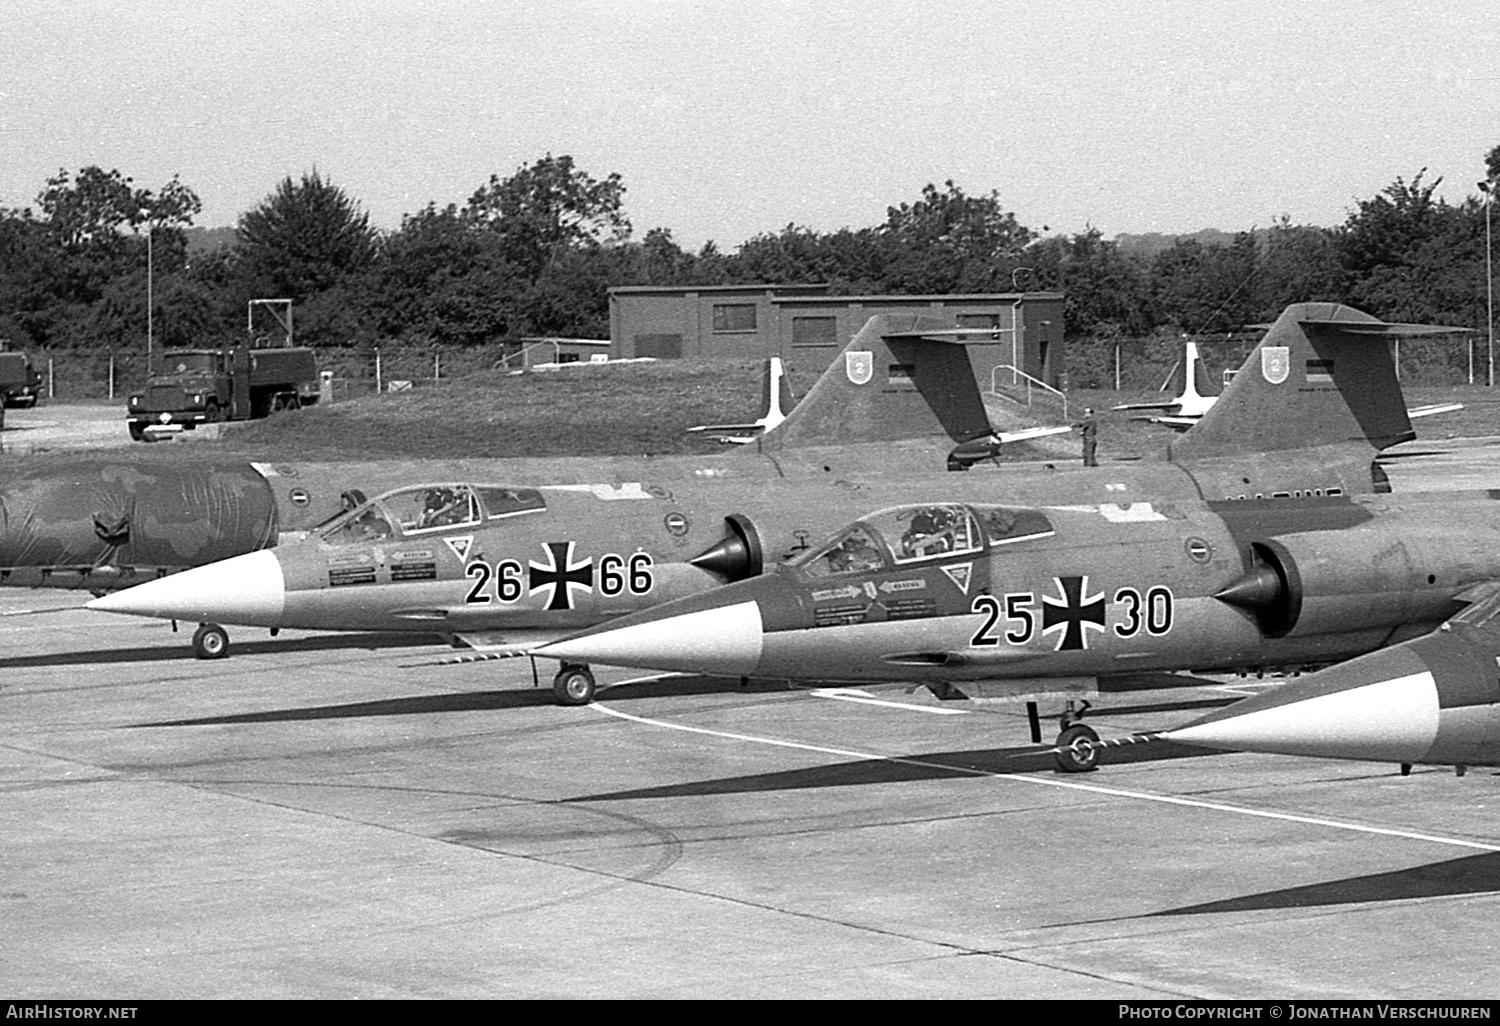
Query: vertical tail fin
column 775, row 394
column 1197, row 386
column 902, row 376
column 1322, row 375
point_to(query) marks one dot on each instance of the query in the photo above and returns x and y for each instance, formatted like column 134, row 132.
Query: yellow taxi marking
column 1113, row 792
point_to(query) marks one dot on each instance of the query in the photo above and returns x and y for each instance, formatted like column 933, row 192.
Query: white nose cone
column 1388, row 721
column 248, row 589
column 726, row 640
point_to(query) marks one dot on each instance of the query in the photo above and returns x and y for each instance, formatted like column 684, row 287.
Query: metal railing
column 507, row 362
column 1016, row 375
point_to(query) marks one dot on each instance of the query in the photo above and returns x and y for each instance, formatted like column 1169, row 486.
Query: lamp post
column 150, row 289
column 1488, row 188
column 150, row 298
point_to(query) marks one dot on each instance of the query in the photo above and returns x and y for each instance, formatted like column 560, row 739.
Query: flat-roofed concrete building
column 807, row 327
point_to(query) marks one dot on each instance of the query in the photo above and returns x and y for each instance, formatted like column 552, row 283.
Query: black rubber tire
column 210, row 641
column 573, row 685
column 1078, row 750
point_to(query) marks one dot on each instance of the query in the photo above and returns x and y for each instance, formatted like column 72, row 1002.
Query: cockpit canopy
column 425, row 509
column 909, row 534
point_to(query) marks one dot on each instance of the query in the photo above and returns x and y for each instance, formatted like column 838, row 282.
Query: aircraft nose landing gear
column 573, row 685
column 1077, row 749
column 210, row 641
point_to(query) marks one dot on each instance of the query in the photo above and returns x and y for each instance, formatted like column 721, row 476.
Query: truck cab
column 189, row 387
column 20, row 382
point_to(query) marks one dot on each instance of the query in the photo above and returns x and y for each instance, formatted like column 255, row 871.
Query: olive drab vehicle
column 20, row 382
column 188, row 387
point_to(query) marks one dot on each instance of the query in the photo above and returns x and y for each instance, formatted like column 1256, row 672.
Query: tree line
column 534, row 253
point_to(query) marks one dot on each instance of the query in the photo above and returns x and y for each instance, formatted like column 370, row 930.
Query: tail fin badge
column 1275, row 363
column 859, row 366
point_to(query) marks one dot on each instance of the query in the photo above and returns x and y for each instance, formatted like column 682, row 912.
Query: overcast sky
column 731, row 118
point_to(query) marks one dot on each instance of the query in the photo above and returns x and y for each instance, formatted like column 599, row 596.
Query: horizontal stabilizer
column 1384, row 329
column 1433, row 410
column 902, row 376
column 1320, row 376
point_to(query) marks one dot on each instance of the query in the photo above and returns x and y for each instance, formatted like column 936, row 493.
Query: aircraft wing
column 723, row 429
column 1025, row 434
column 1165, row 404
column 508, row 644
column 1433, row 410
column 1177, row 423
column 986, row 447
column 85, row 577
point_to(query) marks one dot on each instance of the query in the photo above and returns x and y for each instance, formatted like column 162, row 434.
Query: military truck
column 20, row 382
column 203, row 386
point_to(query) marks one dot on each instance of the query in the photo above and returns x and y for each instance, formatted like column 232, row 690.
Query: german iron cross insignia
column 1069, row 616
column 561, row 575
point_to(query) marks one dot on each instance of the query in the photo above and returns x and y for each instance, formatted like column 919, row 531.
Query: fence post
column 378, row 389
column 51, row 387
column 112, row 375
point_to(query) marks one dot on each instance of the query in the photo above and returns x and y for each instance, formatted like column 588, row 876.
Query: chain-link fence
column 1136, row 364
column 70, row 375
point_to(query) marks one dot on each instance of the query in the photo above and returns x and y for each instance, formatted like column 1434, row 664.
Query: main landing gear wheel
column 1077, row 749
column 210, row 641
column 573, row 685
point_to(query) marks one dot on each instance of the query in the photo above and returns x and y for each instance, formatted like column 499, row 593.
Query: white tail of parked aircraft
column 1189, row 407
column 775, row 390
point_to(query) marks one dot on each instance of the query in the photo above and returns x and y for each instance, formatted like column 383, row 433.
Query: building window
column 981, row 321
column 734, row 317
column 815, row 331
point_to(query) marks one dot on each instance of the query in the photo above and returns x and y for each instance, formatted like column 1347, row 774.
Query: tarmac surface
column 55, row 427
column 337, row 816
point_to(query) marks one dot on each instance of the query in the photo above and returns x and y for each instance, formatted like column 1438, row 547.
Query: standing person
column 1090, row 427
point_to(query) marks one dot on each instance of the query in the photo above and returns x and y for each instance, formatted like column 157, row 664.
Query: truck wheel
column 137, row 433
column 213, row 414
column 210, row 641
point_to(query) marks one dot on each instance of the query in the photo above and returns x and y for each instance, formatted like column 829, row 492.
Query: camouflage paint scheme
column 1025, row 597
column 1434, row 699
column 1298, row 436
column 108, row 524
column 680, row 527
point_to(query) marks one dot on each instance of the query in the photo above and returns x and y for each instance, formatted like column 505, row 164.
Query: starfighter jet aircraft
column 507, row 568
column 1021, row 601
column 898, row 400
column 1433, row 700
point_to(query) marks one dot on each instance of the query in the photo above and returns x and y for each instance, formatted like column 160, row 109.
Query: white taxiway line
column 1046, row 782
column 865, row 698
